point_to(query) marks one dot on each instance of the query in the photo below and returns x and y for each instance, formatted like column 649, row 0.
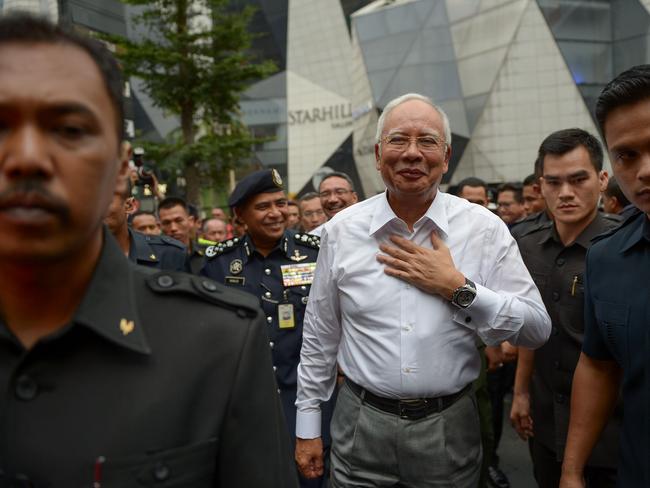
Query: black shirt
column 160, row 379
column 558, row 272
column 617, row 328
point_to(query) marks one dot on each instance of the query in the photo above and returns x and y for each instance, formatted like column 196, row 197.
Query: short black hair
column 530, row 180
column 471, row 181
column 308, row 196
column 338, row 174
column 24, row 28
column 614, row 190
column 292, row 202
column 515, row 188
column 563, row 141
column 142, row 212
column 170, row 202
column 629, row 87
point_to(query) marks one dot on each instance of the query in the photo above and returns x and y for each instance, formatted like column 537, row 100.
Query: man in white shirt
column 405, row 281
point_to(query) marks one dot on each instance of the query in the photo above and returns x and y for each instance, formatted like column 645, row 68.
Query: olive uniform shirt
column 617, row 328
column 558, row 272
column 160, row 379
column 159, row 252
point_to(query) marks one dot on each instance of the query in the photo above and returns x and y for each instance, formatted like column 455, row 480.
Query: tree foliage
column 194, row 61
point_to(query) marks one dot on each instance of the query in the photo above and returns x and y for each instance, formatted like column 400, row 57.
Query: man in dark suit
column 113, row 375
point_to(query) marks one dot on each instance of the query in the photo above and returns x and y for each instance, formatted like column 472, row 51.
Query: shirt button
column 560, row 262
column 267, row 294
column 279, row 391
column 275, row 368
column 303, row 287
column 267, row 271
column 271, row 344
column 26, row 388
column 556, row 296
column 468, row 319
column 269, row 319
column 407, row 370
column 161, row 471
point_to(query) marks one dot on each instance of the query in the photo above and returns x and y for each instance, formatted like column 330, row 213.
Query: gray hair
column 405, row 98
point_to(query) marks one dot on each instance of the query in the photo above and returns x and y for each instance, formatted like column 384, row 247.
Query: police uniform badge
column 236, row 266
column 277, row 179
column 297, row 256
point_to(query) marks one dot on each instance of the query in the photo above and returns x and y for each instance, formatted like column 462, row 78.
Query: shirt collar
column 436, row 213
column 109, row 306
column 640, row 230
column 285, row 245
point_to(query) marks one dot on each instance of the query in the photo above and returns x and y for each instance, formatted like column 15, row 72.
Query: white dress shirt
column 394, row 339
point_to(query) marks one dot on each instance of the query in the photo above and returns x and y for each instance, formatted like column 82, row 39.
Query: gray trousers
column 371, row 448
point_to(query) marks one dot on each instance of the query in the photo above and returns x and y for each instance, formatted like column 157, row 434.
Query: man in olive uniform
column 159, row 252
column 572, row 178
column 112, row 374
column 276, row 266
column 177, row 222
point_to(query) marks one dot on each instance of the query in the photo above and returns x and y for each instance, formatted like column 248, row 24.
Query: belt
column 410, row 409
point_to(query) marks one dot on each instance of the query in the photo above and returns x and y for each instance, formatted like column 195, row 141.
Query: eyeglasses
column 339, row 192
column 312, row 213
column 424, row 143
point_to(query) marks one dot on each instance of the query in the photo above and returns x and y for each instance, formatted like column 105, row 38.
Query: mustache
column 31, row 192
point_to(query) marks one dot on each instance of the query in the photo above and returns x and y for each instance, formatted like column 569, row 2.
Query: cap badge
column 277, row 179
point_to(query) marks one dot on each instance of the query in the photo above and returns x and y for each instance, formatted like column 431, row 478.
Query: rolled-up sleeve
column 508, row 305
column 321, row 337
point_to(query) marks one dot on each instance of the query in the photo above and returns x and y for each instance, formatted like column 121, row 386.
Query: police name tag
column 298, row 274
column 286, row 317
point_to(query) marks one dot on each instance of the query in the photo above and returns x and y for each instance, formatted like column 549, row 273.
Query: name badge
column 235, row 280
column 297, row 274
column 286, row 317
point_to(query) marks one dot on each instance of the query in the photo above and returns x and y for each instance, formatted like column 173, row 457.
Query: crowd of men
column 326, row 341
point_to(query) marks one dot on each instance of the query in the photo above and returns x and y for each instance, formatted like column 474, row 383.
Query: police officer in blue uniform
column 275, row 265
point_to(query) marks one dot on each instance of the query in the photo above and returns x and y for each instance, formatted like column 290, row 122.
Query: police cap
column 265, row 181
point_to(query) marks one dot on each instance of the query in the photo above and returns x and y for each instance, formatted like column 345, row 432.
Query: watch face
column 465, row 298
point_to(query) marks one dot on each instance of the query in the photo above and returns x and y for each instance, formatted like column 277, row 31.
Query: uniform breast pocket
column 184, row 467
column 612, row 319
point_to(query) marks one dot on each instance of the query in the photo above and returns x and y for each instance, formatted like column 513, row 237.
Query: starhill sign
column 339, row 115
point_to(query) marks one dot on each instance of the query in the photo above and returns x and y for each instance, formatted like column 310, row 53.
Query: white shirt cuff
column 308, row 424
column 483, row 310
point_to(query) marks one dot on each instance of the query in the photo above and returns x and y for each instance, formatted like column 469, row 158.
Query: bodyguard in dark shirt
column 277, row 267
column 571, row 181
column 112, row 375
column 159, row 252
column 616, row 351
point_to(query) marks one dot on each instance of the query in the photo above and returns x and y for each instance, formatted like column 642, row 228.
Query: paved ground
column 513, row 454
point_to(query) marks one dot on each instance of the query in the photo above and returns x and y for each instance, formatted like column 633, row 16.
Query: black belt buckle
column 414, row 409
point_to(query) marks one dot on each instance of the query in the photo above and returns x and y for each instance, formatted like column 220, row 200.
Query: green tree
column 194, row 61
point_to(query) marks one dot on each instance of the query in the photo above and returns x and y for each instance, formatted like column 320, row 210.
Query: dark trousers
column 548, row 470
column 499, row 383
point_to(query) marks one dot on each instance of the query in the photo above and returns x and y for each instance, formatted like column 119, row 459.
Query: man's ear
column 377, row 156
column 123, row 169
column 603, row 179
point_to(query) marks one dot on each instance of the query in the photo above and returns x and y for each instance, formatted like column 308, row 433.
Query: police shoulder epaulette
column 165, row 241
column 307, row 240
column 531, row 229
column 221, row 247
column 167, row 282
